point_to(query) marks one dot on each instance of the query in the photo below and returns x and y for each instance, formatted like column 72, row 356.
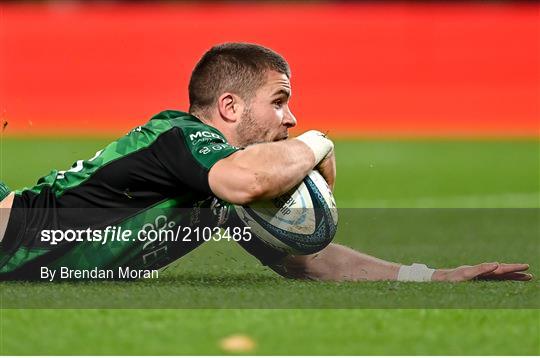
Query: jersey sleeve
column 190, row 151
column 207, row 145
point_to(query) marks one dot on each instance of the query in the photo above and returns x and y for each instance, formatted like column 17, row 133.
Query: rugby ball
column 302, row 221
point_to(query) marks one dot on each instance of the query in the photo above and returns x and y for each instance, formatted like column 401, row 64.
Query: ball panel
column 326, row 193
column 302, row 221
column 291, row 210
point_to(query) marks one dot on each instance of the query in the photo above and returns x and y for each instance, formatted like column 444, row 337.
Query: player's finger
column 479, row 270
column 503, row 268
column 518, row 276
column 507, row 268
column 512, row 276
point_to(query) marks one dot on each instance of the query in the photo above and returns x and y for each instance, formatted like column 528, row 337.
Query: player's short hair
column 238, row 68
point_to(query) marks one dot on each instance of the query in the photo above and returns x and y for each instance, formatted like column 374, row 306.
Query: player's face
column 267, row 117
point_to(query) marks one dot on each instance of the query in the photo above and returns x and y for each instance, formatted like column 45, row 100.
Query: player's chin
column 279, row 139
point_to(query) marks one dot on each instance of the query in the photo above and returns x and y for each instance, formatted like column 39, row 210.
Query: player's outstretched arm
column 267, row 170
column 340, row 263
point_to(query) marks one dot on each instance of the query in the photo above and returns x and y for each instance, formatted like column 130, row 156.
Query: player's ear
column 230, row 107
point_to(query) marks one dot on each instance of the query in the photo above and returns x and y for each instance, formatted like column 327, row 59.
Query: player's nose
column 289, row 120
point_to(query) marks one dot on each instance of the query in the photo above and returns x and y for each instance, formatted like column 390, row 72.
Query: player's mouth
column 281, row 138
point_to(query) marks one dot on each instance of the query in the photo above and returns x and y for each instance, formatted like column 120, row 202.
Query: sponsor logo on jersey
column 204, row 134
column 214, row 148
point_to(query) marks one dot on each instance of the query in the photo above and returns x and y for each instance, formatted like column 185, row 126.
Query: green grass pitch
column 289, row 317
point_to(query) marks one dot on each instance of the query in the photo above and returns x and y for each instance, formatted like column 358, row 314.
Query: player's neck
column 227, row 129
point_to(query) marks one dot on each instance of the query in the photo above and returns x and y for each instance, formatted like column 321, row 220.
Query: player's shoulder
column 203, row 142
column 194, row 131
column 176, row 117
column 182, row 120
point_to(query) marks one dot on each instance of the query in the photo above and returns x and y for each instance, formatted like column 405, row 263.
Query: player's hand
column 485, row 271
column 327, row 168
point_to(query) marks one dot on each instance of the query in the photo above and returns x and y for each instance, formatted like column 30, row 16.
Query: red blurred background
column 388, row 69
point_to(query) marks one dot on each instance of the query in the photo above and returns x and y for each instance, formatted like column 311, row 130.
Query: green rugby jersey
column 131, row 183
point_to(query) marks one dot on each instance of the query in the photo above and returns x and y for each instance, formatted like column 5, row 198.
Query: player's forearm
column 267, row 170
column 338, row 263
column 276, row 167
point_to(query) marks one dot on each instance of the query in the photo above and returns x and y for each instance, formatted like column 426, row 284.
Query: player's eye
column 278, row 103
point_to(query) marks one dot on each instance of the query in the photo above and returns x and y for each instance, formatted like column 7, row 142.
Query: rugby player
column 233, row 145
